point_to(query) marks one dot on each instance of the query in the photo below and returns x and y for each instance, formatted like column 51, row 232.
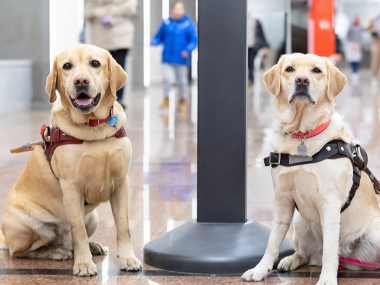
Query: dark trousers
column 355, row 66
column 252, row 52
column 120, row 56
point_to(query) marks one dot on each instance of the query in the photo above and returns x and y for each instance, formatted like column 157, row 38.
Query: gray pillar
column 155, row 16
column 222, row 56
column 288, row 26
column 137, row 52
column 220, row 240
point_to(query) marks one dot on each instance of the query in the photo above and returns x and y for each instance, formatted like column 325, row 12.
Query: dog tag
column 112, row 122
column 302, row 149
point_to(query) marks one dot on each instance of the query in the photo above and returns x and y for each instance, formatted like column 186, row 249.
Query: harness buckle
column 274, row 158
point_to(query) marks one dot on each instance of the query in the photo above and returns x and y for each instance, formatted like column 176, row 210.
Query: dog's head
column 302, row 79
column 86, row 77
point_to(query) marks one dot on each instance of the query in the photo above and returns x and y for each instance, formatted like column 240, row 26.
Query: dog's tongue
column 83, row 101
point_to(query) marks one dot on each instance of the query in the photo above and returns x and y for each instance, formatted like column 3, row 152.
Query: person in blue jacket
column 178, row 34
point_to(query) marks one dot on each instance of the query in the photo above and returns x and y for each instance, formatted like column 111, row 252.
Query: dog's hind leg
column 3, row 244
column 31, row 239
column 365, row 248
column 50, row 252
column 91, row 223
column 23, row 242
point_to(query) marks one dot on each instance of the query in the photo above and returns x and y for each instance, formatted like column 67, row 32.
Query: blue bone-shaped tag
column 112, row 121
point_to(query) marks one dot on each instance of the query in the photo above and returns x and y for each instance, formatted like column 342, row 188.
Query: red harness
column 54, row 138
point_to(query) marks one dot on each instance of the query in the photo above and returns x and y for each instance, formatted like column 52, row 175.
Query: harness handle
column 45, row 133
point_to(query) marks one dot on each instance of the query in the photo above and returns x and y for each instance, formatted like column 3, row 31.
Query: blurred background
column 33, row 32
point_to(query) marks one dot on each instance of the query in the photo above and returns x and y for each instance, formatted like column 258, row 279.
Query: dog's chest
column 96, row 168
column 312, row 185
column 100, row 174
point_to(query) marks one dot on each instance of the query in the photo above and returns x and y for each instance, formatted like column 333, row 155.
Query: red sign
column 321, row 37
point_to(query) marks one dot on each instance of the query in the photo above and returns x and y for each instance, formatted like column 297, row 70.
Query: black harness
column 332, row 150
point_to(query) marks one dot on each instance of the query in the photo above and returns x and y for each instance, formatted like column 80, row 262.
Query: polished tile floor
column 163, row 179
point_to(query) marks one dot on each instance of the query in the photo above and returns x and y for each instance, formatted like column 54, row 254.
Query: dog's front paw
column 289, row 263
column 85, row 269
column 97, row 248
column 255, row 274
column 130, row 264
column 328, row 281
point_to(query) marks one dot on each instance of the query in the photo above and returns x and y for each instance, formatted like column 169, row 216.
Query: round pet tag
column 301, row 149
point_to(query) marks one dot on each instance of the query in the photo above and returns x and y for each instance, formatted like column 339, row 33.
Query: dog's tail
column 3, row 244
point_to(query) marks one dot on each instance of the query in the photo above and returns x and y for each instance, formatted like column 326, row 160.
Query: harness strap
column 355, row 186
column 362, row 164
column 54, row 138
column 329, row 150
column 332, row 150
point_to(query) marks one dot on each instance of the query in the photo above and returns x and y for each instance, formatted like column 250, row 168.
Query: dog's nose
column 81, row 81
column 302, row 80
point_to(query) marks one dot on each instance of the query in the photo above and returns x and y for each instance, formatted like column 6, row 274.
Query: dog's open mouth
column 84, row 102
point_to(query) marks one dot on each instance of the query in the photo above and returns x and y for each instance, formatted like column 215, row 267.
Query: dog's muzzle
column 301, row 93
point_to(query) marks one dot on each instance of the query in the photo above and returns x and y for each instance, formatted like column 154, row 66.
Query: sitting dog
column 50, row 211
column 326, row 225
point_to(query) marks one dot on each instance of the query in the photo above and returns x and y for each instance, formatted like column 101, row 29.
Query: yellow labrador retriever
column 50, row 211
column 304, row 87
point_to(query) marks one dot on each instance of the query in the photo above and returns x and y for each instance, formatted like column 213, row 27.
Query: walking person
column 373, row 27
column 112, row 29
column 256, row 40
column 178, row 34
column 354, row 48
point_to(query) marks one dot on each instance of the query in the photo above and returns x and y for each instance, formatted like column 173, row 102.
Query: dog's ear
column 336, row 80
column 117, row 77
column 51, row 82
column 272, row 78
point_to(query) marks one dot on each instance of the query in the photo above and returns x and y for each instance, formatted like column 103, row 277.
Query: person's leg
column 355, row 67
column 250, row 65
column 354, row 76
column 182, row 80
column 375, row 57
column 120, row 56
column 375, row 60
column 168, row 74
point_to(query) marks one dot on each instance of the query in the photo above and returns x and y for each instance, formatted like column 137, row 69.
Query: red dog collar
column 95, row 122
column 312, row 133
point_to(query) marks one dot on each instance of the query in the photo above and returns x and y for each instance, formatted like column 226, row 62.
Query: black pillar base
column 214, row 248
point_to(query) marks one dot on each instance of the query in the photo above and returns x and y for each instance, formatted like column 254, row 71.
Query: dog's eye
column 289, row 69
column 95, row 63
column 67, row 66
column 316, row 70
